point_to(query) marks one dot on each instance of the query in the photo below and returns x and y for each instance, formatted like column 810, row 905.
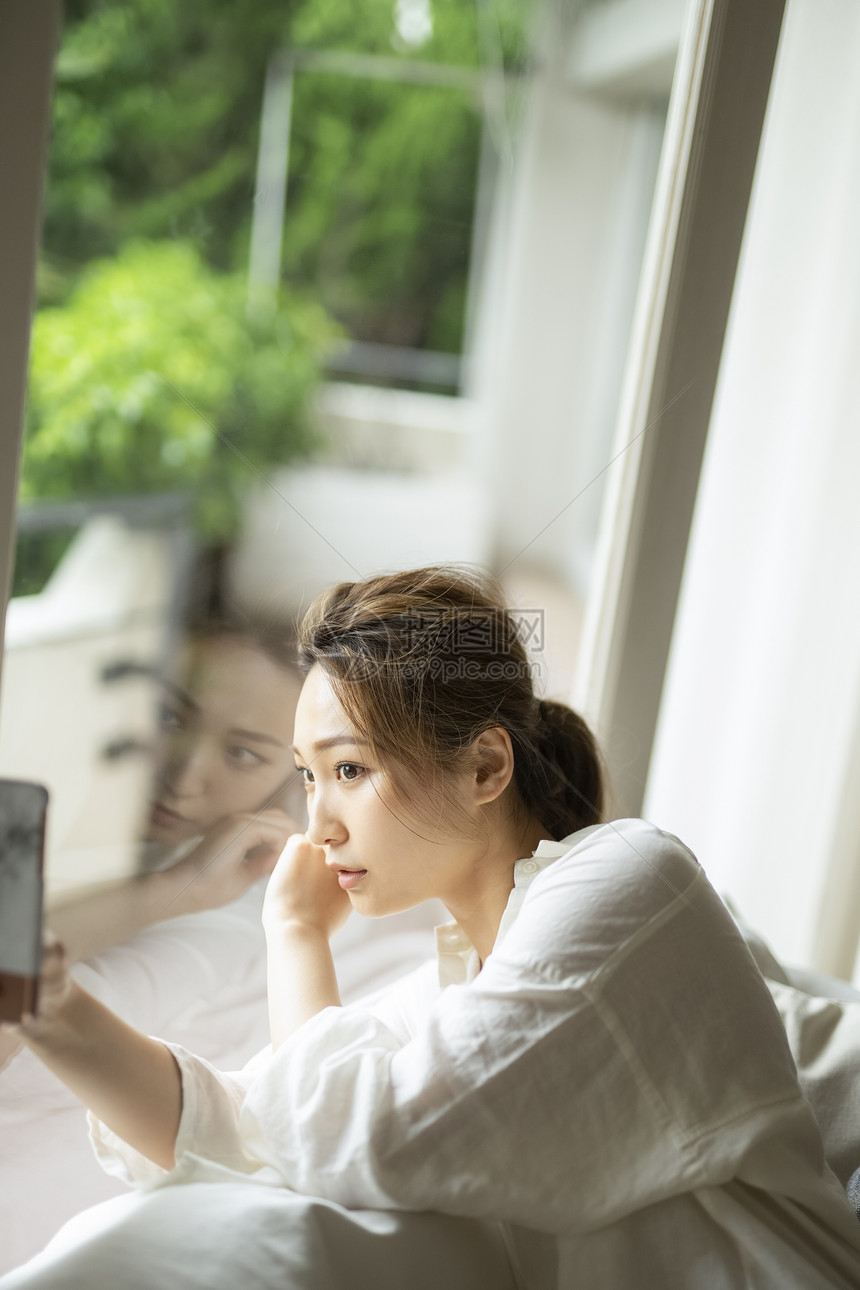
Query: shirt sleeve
column 571, row 1083
column 824, row 1035
column 208, row 1141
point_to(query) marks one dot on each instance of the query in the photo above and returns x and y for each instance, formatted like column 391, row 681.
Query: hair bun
column 563, row 783
column 551, row 713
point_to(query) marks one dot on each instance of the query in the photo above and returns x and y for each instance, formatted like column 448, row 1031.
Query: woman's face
column 387, row 862
column 225, row 738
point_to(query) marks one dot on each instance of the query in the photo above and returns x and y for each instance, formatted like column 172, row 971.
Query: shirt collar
column 457, row 957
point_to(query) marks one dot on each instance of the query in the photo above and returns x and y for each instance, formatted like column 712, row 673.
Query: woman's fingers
column 54, row 984
column 273, row 827
column 54, row 965
column 276, row 826
column 239, row 851
column 53, row 950
column 303, row 889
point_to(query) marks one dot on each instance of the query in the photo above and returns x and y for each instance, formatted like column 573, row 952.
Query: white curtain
column 757, row 760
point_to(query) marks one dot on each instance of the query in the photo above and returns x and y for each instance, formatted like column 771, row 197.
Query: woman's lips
column 163, row 816
column 350, row 877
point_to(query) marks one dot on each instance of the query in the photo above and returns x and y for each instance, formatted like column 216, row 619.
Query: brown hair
column 212, row 614
column 423, row 662
column 269, row 635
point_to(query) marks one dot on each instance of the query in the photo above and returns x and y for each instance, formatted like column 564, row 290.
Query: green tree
column 156, row 129
column 147, row 222
column 153, row 374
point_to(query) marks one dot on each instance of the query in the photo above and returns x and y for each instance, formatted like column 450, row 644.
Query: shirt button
column 530, row 866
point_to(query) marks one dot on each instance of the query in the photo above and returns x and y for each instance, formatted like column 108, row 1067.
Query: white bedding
column 199, row 980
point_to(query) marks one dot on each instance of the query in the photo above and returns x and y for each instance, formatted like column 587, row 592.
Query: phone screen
column 22, row 840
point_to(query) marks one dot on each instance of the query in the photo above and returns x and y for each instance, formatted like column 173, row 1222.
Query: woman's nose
column 324, row 827
column 185, row 771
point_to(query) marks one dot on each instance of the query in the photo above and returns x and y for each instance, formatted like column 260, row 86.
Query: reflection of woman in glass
column 179, row 950
column 594, row 1089
column 217, row 821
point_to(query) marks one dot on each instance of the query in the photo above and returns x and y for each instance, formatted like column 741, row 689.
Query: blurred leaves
column 380, row 203
column 103, row 416
column 147, row 225
column 156, row 128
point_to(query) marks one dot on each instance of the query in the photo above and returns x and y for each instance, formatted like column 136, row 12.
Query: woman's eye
column 169, row 718
column 244, row 756
column 348, row 771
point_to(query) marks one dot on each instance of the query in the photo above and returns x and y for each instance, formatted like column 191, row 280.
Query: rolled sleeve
column 208, row 1140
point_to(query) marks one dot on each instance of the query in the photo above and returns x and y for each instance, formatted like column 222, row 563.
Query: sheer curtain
column 757, row 758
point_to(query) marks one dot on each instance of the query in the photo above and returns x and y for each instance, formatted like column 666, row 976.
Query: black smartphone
column 23, row 808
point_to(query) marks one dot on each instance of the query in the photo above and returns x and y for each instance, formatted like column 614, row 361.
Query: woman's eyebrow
column 256, row 736
column 322, row 744
column 176, row 693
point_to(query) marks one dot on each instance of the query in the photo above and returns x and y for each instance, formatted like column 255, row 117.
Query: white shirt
column 198, row 980
column 615, row 1085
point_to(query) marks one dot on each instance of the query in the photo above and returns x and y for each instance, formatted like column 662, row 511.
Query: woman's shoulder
column 627, row 848
column 603, row 887
column 627, row 905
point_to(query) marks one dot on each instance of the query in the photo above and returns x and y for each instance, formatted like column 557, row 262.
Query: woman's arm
column 562, row 1088
column 304, row 907
column 238, row 852
column 111, row 914
column 130, row 1082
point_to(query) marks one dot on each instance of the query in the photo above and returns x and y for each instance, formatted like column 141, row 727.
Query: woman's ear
column 493, row 759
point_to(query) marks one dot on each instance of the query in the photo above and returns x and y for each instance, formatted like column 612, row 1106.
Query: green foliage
column 382, row 240
column 154, row 376
column 147, row 225
column 383, row 175
column 458, row 35
column 156, row 128
column 36, row 557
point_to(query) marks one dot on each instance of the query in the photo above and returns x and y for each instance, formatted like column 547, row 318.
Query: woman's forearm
column 129, row 1081
column 301, row 977
column 112, row 914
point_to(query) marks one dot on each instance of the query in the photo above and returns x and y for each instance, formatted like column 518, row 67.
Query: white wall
column 758, row 730
column 107, row 601
column 316, row 525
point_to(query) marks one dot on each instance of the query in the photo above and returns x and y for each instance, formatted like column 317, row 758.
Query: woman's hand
column 55, row 988
column 303, row 890
column 236, row 853
column 303, row 908
column 129, row 1081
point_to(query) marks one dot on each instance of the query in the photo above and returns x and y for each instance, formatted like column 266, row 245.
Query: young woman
column 179, row 949
column 594, row 1089
column 223, row 778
